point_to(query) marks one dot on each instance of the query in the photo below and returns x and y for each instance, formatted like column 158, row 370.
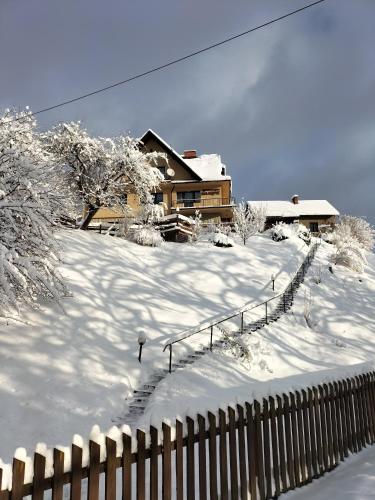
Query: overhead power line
column 175, row 61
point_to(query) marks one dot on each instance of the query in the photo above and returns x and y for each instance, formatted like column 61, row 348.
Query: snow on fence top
column 286, row 208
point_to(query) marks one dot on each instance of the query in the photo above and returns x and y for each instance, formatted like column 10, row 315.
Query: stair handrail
column 241, row 311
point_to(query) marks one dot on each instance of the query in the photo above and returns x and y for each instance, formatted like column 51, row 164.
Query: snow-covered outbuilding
column 314, row 214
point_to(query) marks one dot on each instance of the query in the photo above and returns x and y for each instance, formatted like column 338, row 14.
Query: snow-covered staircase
column 141, row 396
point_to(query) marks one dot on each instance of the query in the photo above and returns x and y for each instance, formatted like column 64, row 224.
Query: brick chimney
column 295, row 199
column 190, row 153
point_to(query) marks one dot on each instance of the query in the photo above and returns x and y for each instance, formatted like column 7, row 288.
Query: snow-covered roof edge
column 285, row 208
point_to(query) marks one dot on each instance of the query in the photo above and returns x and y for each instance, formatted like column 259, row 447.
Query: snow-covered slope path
column 63, row 371
column 340, row 339
column 261, row 315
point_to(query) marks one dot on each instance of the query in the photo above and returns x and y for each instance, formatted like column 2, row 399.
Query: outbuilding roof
column 276, row 208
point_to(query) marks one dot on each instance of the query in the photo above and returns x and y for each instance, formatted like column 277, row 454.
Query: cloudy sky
column 291, row 108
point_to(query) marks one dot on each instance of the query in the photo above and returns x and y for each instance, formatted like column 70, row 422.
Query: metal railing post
column 170, row 358
column 211, row 334
column 241, row 322
column 284, row 297
column 266, row 303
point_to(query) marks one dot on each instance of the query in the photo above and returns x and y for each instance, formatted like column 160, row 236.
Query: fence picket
column 141, row 465
column 93, row 473
column 327, row 410
column 318, row 431
column 179, row 461
column 349, row 420
column 202, row 457
column 355, row 415
column 126, row 464
column 242, row 452
column 18, row 476
column 223, row 456
column 212, row 456
column 251, row 451
column 370, row 407
column 167, row 462
column 267, row 450
column 110, row 472
column 281, row 440
column 39, row 474
column 190, row 462
column 301, row 442
column 296, row 452
column 154, row 459
column 359, row 412
column 323, row 427
column 274, row 444
column 342, row 428
column 58, row 473
column 233, row 454
column 333, row 399
column 76, row 481
column 289, row 443
column 259, row 451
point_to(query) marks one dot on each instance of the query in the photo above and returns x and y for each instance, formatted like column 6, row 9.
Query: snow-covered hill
column 338, row 338
column 64, row 369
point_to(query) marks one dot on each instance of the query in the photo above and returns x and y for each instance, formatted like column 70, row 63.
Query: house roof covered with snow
column 275, row 208
column 208, row 167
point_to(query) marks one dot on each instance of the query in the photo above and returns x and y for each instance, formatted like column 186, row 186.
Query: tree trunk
column 90, row 214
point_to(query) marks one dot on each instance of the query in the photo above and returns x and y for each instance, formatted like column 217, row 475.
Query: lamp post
column 273, row 277
column 141, row 341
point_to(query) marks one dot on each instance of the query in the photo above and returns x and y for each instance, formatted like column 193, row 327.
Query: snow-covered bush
column 238, row 348
column 146, row 235
column 32, row 198
column 103, row 169
column 249, row 220
column 220, row 239
column 353, row 236
column 282, row 231
column 355, row 228
column 350, row 254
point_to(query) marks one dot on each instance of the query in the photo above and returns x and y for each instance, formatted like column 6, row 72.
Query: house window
column 314, row 227
column 188, row 198
column 123, row 199
column 158, row 198
column 163, row 170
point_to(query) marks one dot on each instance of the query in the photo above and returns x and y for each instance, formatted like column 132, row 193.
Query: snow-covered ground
column 288, row 354
column 61, row 371
column 352, row 480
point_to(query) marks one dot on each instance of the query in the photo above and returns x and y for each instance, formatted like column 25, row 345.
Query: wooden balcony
column 203, row 203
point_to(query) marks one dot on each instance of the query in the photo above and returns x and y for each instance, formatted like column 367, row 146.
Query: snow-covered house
column 191, row 182
column 314, row 214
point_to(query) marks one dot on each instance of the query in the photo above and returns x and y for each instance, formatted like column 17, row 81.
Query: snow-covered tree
column 249, row 220
column 197, row 228
column 32, row 196
column 104, row 169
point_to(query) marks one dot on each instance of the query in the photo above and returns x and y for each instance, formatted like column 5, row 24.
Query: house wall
column 180, row 172
column 321, row 220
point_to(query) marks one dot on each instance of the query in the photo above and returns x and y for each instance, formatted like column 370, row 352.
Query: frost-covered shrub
column 355, row 228
column 147, row 236
column 350, row 254
column 353, row 236
column 238, row 348
column 249, row 220
column 197, row 227
column 282, row 231
column 220, row 239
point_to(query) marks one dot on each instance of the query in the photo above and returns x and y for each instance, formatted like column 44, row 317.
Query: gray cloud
column 289, row 108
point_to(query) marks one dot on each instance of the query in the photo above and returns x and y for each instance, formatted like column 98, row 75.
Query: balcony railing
column 203, row 202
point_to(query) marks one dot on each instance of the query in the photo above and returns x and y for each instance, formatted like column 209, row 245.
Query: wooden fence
column 257, row 450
